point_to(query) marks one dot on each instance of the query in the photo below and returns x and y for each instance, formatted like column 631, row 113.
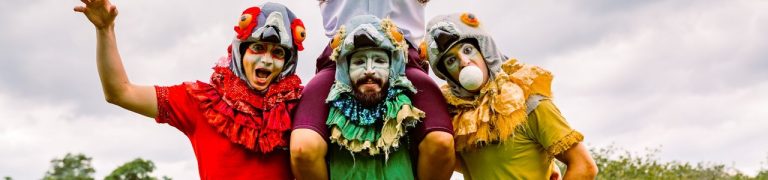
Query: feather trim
column 565, row 143
column 499, row 109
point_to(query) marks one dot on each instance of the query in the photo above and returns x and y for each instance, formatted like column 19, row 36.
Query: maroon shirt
column 312, row 111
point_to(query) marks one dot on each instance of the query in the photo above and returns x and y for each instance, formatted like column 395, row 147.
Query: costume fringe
column 565, row 143
column 499, row 109
column 400, row 116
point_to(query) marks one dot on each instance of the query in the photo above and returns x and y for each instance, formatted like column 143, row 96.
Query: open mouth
column 262, row 73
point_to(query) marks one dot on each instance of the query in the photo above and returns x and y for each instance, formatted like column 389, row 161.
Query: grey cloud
column 637, row 73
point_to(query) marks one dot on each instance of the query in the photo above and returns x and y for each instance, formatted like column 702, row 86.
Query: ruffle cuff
column 565, row 143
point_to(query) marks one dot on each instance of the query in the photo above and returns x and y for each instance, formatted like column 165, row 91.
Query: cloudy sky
column 689, row 78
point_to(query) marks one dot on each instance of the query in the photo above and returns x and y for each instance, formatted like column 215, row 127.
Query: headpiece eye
column 299, row 33
column 423, row 50
column 396, row 34
column 336, row 41
column 245, row 19
column 469, row 19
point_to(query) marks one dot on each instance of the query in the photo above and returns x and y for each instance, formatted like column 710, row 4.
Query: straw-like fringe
column 565, row 143
column 336, row 51
column 499, row 109
column 391, row 132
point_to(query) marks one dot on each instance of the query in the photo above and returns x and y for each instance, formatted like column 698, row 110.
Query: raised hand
column 100, row 12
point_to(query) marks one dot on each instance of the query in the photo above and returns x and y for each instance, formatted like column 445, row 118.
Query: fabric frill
column 499, row 108
column 259, row 122
column 565, row 143
column 398, row 115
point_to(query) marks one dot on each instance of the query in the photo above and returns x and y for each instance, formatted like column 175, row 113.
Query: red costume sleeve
column 175, row 106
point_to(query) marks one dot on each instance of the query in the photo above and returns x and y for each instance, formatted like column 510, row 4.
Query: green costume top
column 369, row 142
column 510, row 129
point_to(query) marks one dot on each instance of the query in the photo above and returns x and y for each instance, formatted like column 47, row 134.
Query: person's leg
column 436, row 156
column 308, row 138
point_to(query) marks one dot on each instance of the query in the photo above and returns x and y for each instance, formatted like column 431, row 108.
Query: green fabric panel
column 343, row 165
column 350, row 130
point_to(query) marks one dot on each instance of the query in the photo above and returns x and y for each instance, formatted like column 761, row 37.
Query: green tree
column 138, row 169
column 617, row 164
column 71, row 167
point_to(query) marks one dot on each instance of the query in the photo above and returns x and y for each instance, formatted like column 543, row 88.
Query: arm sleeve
column 429, row 99
column 312, row 111
column 175, row 106
column 549, row 128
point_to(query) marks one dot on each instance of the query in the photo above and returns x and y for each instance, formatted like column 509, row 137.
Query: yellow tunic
column 497, row 139
column 526, row 155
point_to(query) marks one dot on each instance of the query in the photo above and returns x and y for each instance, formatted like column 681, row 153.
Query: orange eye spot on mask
column 396, row 34
column 336, row 41
column 245, row 19
column 470, row 19
column 299, row 33
column 423, row 50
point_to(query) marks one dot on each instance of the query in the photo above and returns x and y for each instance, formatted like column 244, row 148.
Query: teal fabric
column 397, row 51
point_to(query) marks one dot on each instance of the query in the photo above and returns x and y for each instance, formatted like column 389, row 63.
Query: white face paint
column 463, row 55
column 262, row 63
column 369, row 70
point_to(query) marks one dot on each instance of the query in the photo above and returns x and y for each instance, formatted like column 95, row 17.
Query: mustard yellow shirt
column 527, row 154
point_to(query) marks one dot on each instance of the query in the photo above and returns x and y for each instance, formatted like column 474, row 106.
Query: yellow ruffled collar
column 499, row 108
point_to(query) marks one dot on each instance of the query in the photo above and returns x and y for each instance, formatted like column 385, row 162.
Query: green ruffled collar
column 356, row 131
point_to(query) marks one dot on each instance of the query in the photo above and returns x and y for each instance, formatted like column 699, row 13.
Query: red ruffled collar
column 259, row 122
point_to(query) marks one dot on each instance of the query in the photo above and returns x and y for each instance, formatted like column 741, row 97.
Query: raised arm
column 117, row 88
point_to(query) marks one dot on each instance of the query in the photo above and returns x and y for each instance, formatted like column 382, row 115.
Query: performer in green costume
column 370, row 108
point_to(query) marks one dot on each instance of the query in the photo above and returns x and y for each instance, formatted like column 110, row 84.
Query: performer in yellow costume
column 505, row 123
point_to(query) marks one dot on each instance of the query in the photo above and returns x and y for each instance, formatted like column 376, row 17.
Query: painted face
column 263, row 62
column 369, row 73
column 462, row 55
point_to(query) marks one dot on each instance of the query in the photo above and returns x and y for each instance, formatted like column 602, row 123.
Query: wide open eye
column 468, row 49
column 449, row 61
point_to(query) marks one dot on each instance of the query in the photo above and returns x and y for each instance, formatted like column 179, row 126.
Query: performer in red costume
column 238, row 123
